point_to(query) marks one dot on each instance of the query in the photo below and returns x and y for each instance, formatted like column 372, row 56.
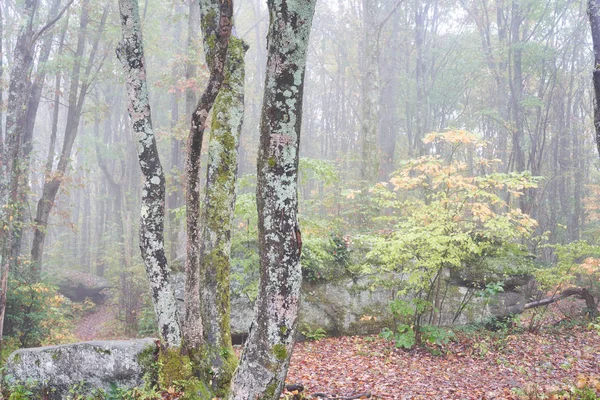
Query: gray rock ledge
column 88, row 366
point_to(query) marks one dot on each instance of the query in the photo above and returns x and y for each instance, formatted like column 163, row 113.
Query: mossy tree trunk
column 265, row 360
column 131, row 54
column 216, row 23
column 217, row 220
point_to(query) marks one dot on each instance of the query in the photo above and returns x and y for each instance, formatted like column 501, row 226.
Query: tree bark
column 594, row 15
column 131, row 54
column 265, row 360
column 216, row 23
column 217, row 220
column 580, row 293
column 370, row 94
column 11, row 174
column 174, row 198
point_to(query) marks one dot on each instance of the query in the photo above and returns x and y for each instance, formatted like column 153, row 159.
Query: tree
column 12, row 174
column 131, row 54
column 268, row 350
column 370, row 93
column 448, row 221
column 594, row 15
column 216, row 22
column 79, row 84
column 217, row 220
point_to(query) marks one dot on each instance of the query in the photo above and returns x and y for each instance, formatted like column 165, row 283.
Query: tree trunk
column 174, row 190
column 216, row 22
column 10, row 178
column 131, row 54
column 34, row 97
column 594, row 14
column 217, row 220
column 76, row 99
column 265, row 360
column 580, row 293
column 370, row 94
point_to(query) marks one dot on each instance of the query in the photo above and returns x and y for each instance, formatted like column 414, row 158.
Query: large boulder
column 77, row 285
column 86, row 366
column 346, row 306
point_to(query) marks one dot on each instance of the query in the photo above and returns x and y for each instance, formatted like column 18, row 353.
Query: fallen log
column 580, row 293
column 325, row 396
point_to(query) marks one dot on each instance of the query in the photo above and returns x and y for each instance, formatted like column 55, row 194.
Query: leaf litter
column 479, row 365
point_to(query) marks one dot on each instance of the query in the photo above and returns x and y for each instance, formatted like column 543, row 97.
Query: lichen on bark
column 266, row 357
column 216, row 22
column 219, row 360
column 131, row 54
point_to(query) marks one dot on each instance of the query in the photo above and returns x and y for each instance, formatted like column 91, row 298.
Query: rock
column 55, row 370
column 508, row 303
column 78, row 285
column 344, row 307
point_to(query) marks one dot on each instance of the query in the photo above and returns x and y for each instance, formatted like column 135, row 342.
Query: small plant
column 436, row 335
column 595, row 325
column 313, row 335
column 20, row 392
column 404, row 337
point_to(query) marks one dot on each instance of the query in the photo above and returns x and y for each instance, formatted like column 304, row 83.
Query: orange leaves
column 454, row 137
column 590, row 265
column 482, row 212
column 591, row 203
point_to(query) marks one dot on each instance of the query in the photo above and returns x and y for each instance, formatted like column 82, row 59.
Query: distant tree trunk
column 131, row 54
column 192, row 52
column 216, row 22
column 370, row 94
column 217, row 220
column 594, row 14
column 77, row 93
column 12, row 168
column 421, row 10
column 265, row 360
column 390, row 121
column 1, row 94
column 11, row 176
column 174, row 189
column 516, row 92
column 55, row 107
column 34, row 97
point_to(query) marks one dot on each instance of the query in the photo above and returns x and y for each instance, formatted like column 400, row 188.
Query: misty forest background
column 427, row 126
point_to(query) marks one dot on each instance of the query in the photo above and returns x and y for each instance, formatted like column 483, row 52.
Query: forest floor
column 477, row 364
column 95, row 325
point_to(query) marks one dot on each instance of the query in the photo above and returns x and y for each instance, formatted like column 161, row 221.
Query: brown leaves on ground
column 476, row 366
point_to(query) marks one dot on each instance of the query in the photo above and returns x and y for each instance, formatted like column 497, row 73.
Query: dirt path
column 95, row 326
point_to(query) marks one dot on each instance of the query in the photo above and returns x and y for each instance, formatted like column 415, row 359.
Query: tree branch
column 52, row 22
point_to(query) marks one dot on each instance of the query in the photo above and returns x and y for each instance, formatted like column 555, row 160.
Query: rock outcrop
column 85, row 367
column 77, row 285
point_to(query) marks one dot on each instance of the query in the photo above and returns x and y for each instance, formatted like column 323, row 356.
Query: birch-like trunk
column 594, row 15
column 265, row 360
column 216, row 22
column 131, row 54
column 217, row 220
